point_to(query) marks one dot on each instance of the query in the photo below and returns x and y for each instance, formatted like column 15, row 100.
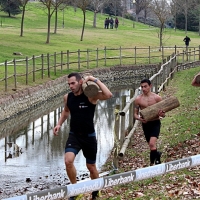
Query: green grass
column 185, row 118
column 68, row 38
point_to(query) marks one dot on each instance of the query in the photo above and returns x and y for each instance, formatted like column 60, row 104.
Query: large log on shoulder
column 151, row 112
column 90, row 89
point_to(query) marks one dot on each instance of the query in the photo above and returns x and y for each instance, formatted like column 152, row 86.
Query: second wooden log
column 151, row 112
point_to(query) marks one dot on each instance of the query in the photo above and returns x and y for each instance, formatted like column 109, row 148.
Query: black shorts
column 151, row 129
column 87, row 143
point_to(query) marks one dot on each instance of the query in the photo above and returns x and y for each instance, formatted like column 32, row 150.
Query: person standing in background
column 187, row 41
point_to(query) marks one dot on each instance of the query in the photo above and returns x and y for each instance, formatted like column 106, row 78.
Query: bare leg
column 69, row 164
column 93, row 171
column 152, row 143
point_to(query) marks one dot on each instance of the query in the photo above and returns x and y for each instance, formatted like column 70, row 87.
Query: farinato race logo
column 48, row 195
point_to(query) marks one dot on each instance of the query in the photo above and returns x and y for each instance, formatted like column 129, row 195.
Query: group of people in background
column 109, row 23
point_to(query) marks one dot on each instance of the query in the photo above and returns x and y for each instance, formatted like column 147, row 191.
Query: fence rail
column 29, row 70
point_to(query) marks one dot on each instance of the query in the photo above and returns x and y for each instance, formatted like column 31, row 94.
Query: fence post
column 183, row 56
column 61, row 61
column 105, row 56
column 120, row 55
column 48, row 65
column 33, row 68
column 97, row 57
column 79, row 59
column 135, row 55
column 162, row 53
column 149, row 55
column 116, row 137
column 26, row 70
column 6, row 76
column 67, row 59
column 54, row 63
column 131, row 110
column 88, row 59
column 15, row 73
column 175, row 49
column 42, row 57
column 122, row 135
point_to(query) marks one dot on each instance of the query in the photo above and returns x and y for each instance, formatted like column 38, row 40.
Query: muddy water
column 38, row 162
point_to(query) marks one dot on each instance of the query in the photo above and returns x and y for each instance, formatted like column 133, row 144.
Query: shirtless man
column 151, row 128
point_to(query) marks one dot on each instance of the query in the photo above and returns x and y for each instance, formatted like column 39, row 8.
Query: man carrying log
column 82, row 133
column 151, row 128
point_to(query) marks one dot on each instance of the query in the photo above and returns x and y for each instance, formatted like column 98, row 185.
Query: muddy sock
column 153, row 155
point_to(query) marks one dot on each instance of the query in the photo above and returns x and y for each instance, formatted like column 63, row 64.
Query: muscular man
column 82, row 133
column 151, row 128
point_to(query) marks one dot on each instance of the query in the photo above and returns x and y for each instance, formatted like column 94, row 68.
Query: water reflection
column 41, row 154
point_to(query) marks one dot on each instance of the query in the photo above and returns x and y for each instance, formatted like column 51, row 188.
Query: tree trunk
column 22, row 22
column 56, row 20
column 83, row 25
column 95, row 19
column 49, row 25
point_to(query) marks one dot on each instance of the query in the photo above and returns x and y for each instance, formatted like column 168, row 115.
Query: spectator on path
column 116, row 22
column 111, row 23
column 82, row 135
column 187, row 41
column 151, row 128
column 196, row 80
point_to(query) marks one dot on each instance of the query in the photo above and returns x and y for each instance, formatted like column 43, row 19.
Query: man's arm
column 136, row 111
column 64, row 115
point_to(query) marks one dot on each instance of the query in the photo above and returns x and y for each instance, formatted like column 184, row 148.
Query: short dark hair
column 146, row 81
column 77, row 75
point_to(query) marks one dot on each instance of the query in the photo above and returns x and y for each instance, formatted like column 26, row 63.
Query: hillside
column 68, row 37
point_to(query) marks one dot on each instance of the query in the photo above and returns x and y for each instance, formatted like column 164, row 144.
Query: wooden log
column 151, row 112
column 90, row 89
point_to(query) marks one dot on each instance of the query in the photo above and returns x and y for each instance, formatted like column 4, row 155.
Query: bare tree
column 173, row 6
column 82, row 4
column 162, row 11
column 97, row 5
column 182, row 7
column 51, row 6
column 141, row 5
column 23, row 3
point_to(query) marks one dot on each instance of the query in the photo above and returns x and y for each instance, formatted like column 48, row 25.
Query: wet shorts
column 151, row 129
column 87, row 143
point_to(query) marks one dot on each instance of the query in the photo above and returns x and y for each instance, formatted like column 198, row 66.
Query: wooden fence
column 29, row 70
column 124, row 133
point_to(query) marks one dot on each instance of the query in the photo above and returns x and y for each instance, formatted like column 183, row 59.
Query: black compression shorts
column 151, row 129
column 87, row 143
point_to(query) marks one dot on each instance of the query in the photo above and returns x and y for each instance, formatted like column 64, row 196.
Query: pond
column 39, row 162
